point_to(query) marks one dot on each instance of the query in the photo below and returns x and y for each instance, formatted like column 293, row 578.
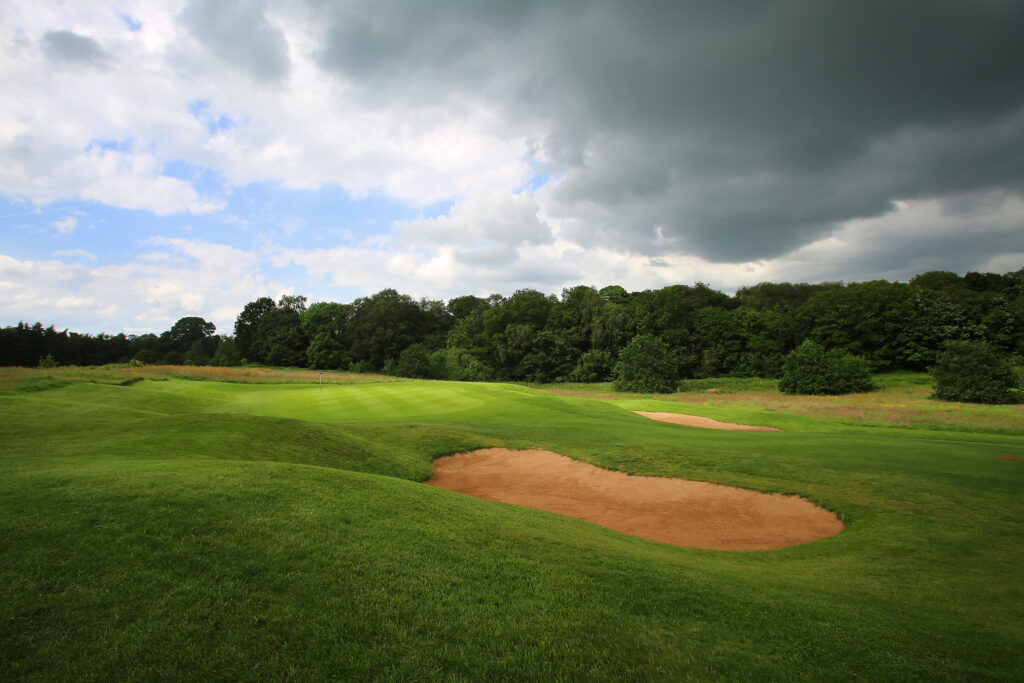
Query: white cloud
column 212, row 281
column 75, row 253
column 456, row 104
column 66, row 225
column 484, row 216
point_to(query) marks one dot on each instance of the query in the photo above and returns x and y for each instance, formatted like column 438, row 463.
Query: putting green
column 361, row 402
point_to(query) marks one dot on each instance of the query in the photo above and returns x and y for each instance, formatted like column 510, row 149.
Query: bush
column 463, row 366
column 974, row 372
column 48, row 361
column 414, row 361
column 594, row 366
column 809, row 369
column 646, row 365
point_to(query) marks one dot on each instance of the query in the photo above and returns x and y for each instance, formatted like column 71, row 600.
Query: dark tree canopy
column 184, row 333
column 646, row 366
column 974, row 372
column 581, row 335
column 246, row 323
column 810, row 369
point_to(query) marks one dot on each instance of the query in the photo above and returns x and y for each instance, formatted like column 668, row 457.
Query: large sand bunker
column 705, row 422
column 677, row 511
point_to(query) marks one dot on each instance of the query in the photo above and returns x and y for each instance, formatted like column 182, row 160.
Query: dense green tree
column 975, row 372
column 531, row 335
column 414, row 361
column 463, row 306
column 463, row 366
column 593, row 366
column 148, row 357
column 279, row 339
column 616, row 294
column 226, row 354
column 293, row 302
column 810, row 369
column 867, row 319
column 779, row 296
column 246, row 324
column 383, row 325
column 196, row 354
column 173, row 357
column 646, row 366
column 186, row 332
column 551, row 358
column 324, row 324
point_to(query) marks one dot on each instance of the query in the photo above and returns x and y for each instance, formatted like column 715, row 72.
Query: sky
column 169, row 159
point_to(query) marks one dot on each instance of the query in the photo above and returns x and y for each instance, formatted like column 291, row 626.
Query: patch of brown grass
column 247, row 375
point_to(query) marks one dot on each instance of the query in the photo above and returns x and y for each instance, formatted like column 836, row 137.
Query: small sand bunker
column 686, row 513
column 705, row 422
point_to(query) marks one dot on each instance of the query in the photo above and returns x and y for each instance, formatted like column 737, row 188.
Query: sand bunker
column 677, row 511
column 705, row 422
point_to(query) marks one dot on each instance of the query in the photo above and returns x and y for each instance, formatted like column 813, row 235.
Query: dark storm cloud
column 735, row 131
column 238, row 32
column 67, row 46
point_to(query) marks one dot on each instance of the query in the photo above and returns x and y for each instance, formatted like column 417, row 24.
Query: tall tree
column 246, row 323
column 184, row 333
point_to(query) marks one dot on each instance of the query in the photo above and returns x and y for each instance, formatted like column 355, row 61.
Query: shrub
column 463, row 366
column 809, row 369
column 594, row 366
column 414, row 361
column 48, row 361
column 974, row 372
column 646, row 365
column 174, row 357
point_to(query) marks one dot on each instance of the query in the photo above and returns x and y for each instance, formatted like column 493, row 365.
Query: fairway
column 362, row 402
column 183, row 529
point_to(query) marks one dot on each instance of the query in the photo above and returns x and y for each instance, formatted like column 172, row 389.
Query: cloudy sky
column 164, row 159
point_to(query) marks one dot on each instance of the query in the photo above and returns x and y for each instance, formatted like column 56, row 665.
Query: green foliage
column 974, row 372
column 184, row 335
column 135, row 363
column 324, row 324
column 594, row 366
column 532, row 336
column 327, row 352
column 48, row 361
column 196, row 354
column 383, row 325
column 174, row 357
column 809, row 369
column 148, row 357
column 414, row 361
column 226, row 355
column 646, row 365
column 463, row 366
column 279, row 338
column 246, row 323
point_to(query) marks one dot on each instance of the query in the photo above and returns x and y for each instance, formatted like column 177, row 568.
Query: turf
column 214, row 530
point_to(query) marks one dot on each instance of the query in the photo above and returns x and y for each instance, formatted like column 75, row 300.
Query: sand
column 676, row 511
column 705, row 422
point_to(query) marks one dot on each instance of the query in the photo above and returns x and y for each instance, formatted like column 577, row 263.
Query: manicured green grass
column 230, row 531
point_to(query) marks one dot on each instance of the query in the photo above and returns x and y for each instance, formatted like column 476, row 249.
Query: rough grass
column 902, row 400
column 13, row 377
column 252, row 531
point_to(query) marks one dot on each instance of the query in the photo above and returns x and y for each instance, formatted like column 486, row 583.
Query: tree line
column 579, row 336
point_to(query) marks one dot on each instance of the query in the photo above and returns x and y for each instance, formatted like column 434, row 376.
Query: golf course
column 253, row 524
